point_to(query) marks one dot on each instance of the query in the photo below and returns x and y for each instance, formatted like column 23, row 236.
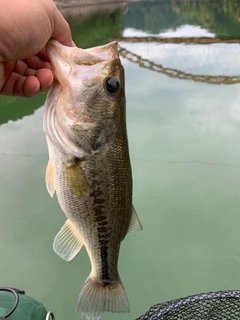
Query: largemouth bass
column 89, row 167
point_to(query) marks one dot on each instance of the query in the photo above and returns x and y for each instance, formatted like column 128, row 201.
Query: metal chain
column 185, row 40
column 174, row 73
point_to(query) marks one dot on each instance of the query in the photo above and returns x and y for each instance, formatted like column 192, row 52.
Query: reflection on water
column 186, row 62
column 75, row 8
column 185, row 151
column 217, row 16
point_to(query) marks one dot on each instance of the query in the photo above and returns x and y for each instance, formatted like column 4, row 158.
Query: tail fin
column 97, row 297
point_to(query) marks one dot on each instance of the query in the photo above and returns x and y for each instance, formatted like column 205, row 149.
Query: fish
column 89, row 167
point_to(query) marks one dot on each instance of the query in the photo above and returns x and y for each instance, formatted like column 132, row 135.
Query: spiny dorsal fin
column 135, row 224
column 49, row 179
column 67, row 242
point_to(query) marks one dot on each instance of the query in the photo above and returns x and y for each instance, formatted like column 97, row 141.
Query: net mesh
column 221, row 305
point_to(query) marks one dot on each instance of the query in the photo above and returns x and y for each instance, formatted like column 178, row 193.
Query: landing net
column 221, row 305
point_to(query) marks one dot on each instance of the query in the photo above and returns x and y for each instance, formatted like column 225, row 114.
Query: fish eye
column 112, row 85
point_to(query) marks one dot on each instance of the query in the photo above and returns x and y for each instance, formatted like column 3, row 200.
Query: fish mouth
column 90, row 56
column 73, row 61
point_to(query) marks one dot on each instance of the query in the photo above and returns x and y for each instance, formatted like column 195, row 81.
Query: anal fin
column 135, row 224
column 67, row 242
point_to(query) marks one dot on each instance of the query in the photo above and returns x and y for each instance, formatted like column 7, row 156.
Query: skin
column 25, row 28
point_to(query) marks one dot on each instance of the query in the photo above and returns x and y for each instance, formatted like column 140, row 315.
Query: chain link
column 174, row 73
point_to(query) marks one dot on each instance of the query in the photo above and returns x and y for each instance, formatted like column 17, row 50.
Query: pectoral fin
column 49, row 179
column 67, row 242
column 135, row 224
column 76, row 181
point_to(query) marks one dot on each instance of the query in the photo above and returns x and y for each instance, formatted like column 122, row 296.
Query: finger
column 37, row 62
column 29, row 68
column 30, row 65
column 42, row 54
column 18, row 85
column 62, row 31
column 45, row 78
column 41, row 81
column 20, row 68
column 63, row 35
column 30, row 87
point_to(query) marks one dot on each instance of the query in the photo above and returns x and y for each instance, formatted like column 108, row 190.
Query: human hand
column 25, row 28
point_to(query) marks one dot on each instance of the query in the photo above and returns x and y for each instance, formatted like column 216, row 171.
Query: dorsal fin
column 135, row 224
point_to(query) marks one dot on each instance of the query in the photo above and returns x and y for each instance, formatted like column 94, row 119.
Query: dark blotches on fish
column 104, row 258
column 96, row 146
column 106, row 282
column 99, row 201
column 100, row 218
column 102, row 230
column 96, row 193
column 103, row 223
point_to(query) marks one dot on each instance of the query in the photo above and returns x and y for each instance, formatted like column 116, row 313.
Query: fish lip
column 107, row 52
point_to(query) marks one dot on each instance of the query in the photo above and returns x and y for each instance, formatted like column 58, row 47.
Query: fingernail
column 50, row 82
column 37, row 88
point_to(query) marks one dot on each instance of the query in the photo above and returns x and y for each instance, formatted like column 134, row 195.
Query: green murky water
column 183, row 118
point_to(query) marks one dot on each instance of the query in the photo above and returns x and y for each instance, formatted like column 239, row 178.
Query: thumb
column 61, row 30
